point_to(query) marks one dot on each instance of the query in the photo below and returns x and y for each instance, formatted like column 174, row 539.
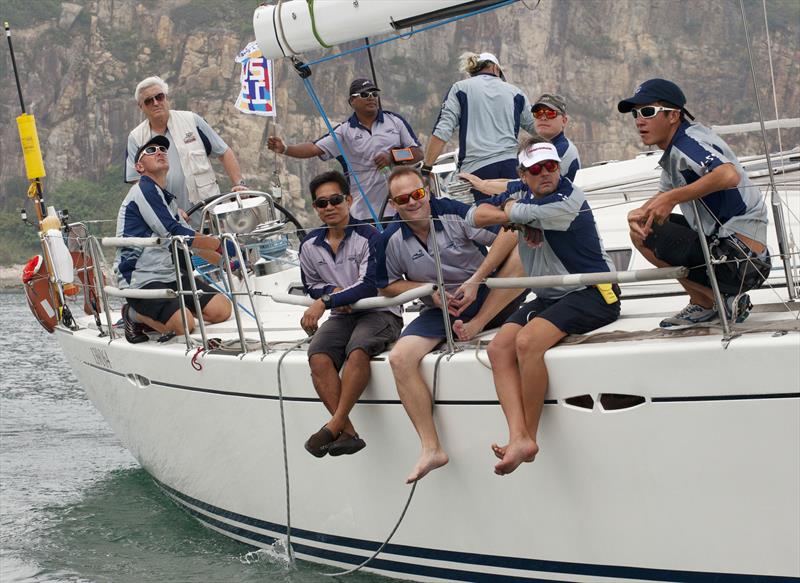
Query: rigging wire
column 305, row 74
column 776, row 208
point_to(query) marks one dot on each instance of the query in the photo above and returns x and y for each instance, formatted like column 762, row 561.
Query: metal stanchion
column 451, row 346
column 712, row 277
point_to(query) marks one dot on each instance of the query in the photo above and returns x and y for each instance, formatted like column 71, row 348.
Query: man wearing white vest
column 191, row 177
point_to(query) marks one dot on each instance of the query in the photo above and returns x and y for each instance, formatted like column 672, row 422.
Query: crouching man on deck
column 337, row 263
column 149, row 210
column 406, row 260
column 559, row 236
column 697, row 166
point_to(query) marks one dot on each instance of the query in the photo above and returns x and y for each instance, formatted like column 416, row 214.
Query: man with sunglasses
column 697, row 165
column 150, row 210
column 550, row 120
column 191, row 178
column 405, row 261
column 337, row 263
column 559, row 237
column 368, row 138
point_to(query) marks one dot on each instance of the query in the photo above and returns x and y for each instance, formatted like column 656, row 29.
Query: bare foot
column 466, row 330
column 516, row 453
column 499, row 450
column 428, row 461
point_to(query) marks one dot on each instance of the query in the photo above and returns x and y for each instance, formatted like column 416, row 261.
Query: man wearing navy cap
column 368, row 138
column 149, row 210
column 697, row 166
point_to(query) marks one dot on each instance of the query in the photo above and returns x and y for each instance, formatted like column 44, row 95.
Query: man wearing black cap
column 368, row 138
column 697, row 166
column 149, row 210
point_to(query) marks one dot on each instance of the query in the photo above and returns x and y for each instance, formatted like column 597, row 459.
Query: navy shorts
column 676, row 243
column 163, row 309
column 577, row 312
column 502, row 169
column 341, row 334
column 430, row 324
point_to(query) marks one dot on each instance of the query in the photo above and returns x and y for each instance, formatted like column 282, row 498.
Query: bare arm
column 397, row 287
column 487, row 215
column 232, row 169
column 466, row 293
column 490, row 187
column 304, row 150
column 658, row 208
column 434, row 149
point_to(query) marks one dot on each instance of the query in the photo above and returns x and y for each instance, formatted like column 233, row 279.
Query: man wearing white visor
column 559, row 236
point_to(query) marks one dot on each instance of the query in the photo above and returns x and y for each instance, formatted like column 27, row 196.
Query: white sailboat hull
column 700, row 482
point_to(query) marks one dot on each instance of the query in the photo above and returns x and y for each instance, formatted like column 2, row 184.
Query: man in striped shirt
column 149, row 210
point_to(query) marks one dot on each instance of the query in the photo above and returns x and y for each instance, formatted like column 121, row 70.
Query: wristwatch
column 241, row 182
column 326, row 300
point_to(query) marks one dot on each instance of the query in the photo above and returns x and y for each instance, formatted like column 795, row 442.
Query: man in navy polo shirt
column 559, row 237
column 337, row 264
column 367, row 138
column 697, row 166
column 550, row 120
column 149, row 210
column 405, row 261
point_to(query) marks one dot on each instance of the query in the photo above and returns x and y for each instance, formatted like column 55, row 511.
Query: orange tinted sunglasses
column 403, row 199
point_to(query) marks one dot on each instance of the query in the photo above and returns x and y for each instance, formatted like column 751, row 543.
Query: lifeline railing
column 179, row 245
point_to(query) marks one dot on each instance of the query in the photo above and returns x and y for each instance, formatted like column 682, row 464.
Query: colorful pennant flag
column 255, row 95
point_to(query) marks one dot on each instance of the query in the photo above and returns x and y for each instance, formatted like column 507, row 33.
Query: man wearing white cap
column 559, row 237
column 488, row 113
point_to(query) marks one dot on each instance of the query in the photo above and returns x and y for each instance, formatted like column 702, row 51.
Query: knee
column 528, row 346
column 402, row 361
column 218, row 310
column 500, row 351
column 319, row 363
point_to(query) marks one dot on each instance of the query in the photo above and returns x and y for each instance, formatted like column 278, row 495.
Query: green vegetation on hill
column 24, row 13
column 85, row 200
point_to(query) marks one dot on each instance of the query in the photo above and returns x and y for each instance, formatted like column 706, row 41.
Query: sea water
column 74, row 504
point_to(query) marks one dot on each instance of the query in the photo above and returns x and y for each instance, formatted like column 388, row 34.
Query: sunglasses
column 158, row 97
column 545, row 113
column 365, row 94
column 150, row 150
column 536, row 169
column 334, row 200
column 403, row 199
column 649, row 111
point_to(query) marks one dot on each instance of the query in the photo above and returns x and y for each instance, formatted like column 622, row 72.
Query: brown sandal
column 317, row 444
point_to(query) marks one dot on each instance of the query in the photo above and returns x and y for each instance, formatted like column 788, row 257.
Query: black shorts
column 577, row 312
column 676, row 243
column 341, row 334
column 162, row 310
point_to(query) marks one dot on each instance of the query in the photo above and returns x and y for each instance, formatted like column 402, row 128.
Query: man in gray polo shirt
column 337, row 264
column 368, row 138
column 405, row 260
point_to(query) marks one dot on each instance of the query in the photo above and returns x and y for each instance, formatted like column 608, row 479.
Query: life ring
column 39, row 293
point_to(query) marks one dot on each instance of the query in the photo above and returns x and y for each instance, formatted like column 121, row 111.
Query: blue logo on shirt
column 417, row 255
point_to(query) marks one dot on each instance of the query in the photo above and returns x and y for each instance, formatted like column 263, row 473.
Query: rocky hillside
column 81, row 60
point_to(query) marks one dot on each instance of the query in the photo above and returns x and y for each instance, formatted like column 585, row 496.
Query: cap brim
column 626, row 105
